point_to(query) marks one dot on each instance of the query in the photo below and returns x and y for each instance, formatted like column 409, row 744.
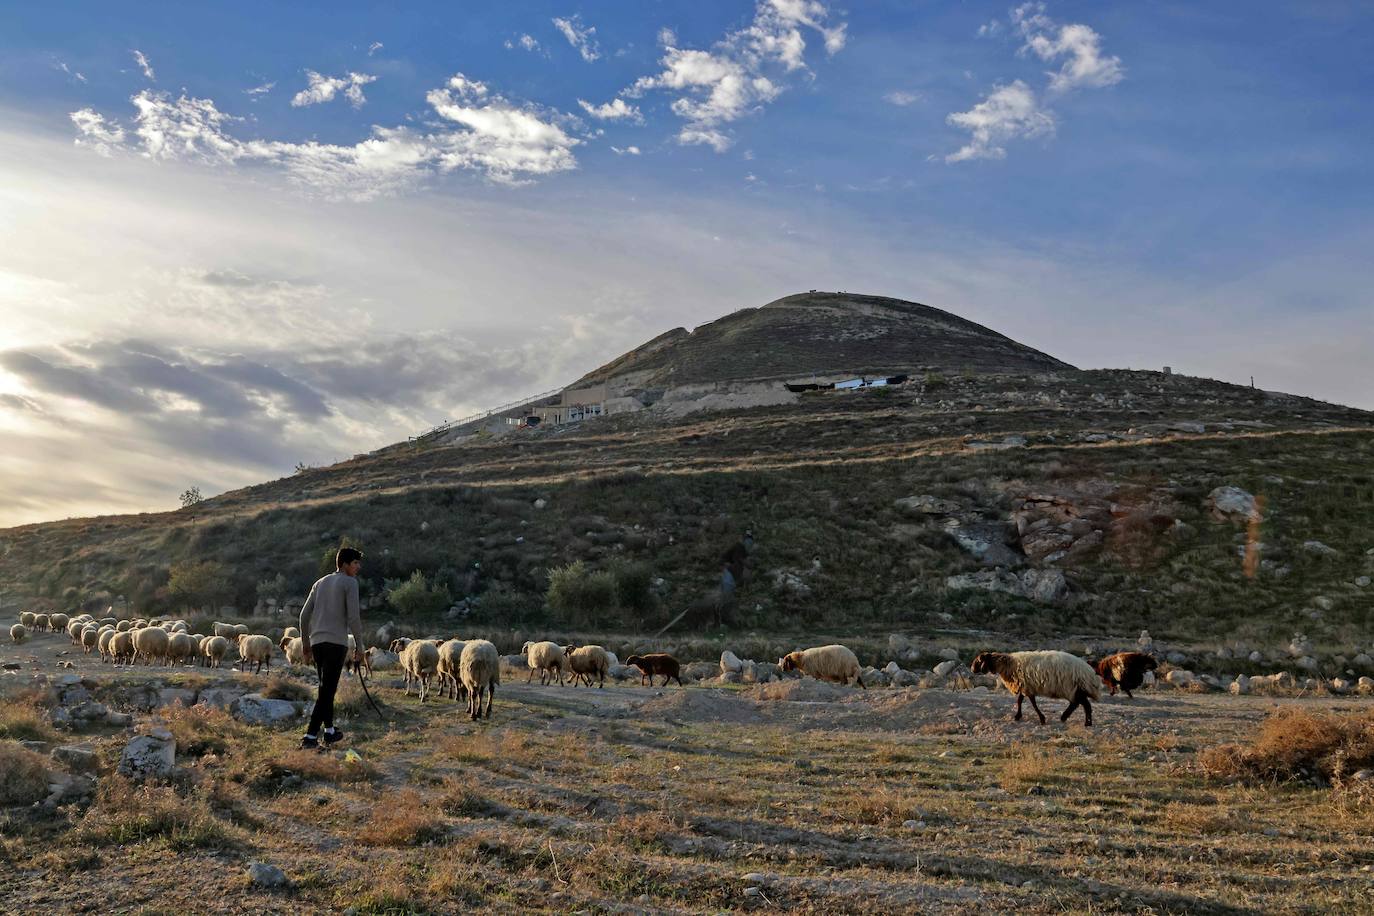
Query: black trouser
column 329, row 662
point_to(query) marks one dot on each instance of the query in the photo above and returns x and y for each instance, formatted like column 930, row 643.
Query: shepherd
column 330, row 614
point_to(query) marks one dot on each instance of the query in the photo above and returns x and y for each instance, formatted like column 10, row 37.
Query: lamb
column 826, row 663
column 1046, row 674
column 214, row 649
column 1124, row 671
column 26, row 619
column 357, row 667
column 420, row 659
column 587, row 661
column 254, row 650
column 150, row 643
column 291, row 631
column 546, row 658
column 18, row 633
column 450, row 664
column 653, row 664
column 293, row 649
column 479, row 668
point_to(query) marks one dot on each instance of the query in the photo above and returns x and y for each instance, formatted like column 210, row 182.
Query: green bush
column 581, row 594
column 416, row 597
column 634, row 587
column 197, row 583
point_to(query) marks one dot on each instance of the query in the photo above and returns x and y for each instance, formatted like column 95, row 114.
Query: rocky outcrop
column 1043, row 586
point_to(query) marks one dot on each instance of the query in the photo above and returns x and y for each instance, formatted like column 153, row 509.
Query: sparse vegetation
column 23, row 775
column 1296, row 743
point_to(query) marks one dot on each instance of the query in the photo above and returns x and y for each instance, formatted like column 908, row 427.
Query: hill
column 1049, row 501
column 821, row 333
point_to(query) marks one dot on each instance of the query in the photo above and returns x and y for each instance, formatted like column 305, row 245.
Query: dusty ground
column 634, row 799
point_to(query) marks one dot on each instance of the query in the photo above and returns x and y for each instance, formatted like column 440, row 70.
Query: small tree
column 581, row 594
column 417, row 598
column 191, row 497
column 198, row 583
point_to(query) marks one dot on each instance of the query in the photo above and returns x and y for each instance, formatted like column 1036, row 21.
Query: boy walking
column 329, row 615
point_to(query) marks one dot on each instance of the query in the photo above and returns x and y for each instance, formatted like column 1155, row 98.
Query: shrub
column 197, row 583
column 125, row 812
column 417, row 598
column 580, row 593
column 23, row 775
column 634, row 587
column 1294, row 743
column 23, row 720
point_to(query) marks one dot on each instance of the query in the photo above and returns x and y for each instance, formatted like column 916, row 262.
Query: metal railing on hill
column 483, row 414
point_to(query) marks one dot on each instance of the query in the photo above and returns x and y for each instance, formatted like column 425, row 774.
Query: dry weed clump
column 282, row 687
column 24, row 719
column 403, row 818
column 1297, row 743
column 23, row 775
column 125, row 812
column 201, row 730
column 1030, row 766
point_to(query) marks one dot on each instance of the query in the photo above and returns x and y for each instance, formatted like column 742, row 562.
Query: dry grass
column 1030, row 765
column 125, row 812
column 23, row 775
column 201, row 730
column 284, row 687
column 25, row 719
column 1296, row 743
column 401, row 818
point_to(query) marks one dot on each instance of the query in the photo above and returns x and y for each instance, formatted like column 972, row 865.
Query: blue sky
column 1118, row 184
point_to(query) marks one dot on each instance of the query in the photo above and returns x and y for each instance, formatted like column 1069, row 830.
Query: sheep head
column 989, row 663
column 790, row 662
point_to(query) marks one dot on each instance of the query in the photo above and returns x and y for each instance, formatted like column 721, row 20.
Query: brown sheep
column 1124, row 671
column 654, row 664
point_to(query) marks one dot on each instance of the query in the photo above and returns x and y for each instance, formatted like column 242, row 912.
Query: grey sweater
column 331, row 612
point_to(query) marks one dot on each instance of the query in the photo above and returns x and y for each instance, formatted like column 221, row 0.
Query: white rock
column 944, row 668
column 1241, row 685
column 255, row 709
column 1306, row 663
column 891, row 668
column 729, row 661
column 1362, row 581
column 1180, row 677
column 1231, row 504
column 149, row 756
column 949, row 653
column 1256, row 656
column 266, row 875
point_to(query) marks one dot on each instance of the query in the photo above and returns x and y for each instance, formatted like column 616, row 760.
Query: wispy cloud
column 322, row 89
column 626, row 151
column 259, row 90
column 616, row 110
column 74, row 74
column 374, row 48
column 902, row 98
column 509, row 142
column 1007, row 113
column 143, row 64
column 581, row 37
column 527, row 42
column 742, row 72
column 1085, row 66
column 1016, row 111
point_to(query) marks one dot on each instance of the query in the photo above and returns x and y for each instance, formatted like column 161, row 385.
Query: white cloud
column 1085, row 67
column 507, row 142
column 261, row 89
column 627, row 151
column 143, row 64
column 989, row 29
column 374, row 48
column 1008, row 113
column 74, row 74
column 616, row 110
column 581, row 37
column 741, row 72
column 323, row 89
column 902, row 98
column 527, row 42
column 95, row 132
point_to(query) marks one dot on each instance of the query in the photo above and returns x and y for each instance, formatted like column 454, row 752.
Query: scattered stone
column 1362, row 661
column 1317, row 547
column 1176, row 658
column 541, row 503
column 944, row 668
column 949, row 653
column 78, row 757
column 730, row 662
column 926, row 505
column 221, row 697
column 1323, row 602
column 119, row 719
column 255, row 709
column 891, row 669
column 172, row 695
column 755, row 877
column 266, row 875
column 1241, row 685
column 1231, row 504
column 987, row 543
column 149, row 756
column 1180, row 678
column 1256, row 656
column 1362, row 581
column 1306, row 663
column 752, row 891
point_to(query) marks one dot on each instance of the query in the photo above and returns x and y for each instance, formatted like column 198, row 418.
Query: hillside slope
column 822, row 333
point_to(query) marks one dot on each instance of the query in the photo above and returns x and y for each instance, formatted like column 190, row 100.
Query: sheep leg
column 1037, row 710
column 491, row 698
column 1081, row 699
column 1017, row 717
column 676, row 677
column 1072, row 706
column 531, row 677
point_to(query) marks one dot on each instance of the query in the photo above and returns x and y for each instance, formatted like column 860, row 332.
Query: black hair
column 347, row 555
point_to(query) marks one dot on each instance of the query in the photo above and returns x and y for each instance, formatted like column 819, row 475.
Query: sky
column 236, row 238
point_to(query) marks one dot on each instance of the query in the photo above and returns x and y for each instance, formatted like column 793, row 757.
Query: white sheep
column 292, row 632
column 58, row 622
column 420, row 660
column 150, row 643
column 214, row 648
column 254, row 650
column 103, row 643
column 479, row 668
column 587, row 661
column 26, row 619
column 40, row 621
column 827, row 663
column 1046, row 674
column 450, row 657
column 124, row 626
column 183, row 646
column 546, row 658
column 294, row 650
column 90, row 638
column 122, row 647
column 18, row 633
column 74, row 628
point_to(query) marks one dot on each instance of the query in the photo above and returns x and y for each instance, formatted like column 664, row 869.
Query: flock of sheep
column 471, row 669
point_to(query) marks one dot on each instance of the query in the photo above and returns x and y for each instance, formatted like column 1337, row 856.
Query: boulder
column 873, row 677
column 1362, row 581
column 767, row 671
column 1241, row 685
column 903, row 678
column 1256, row 656
column 945, row 667
column 1231, row 504
column 1306, row 663
column 1365, row 684
column 266, row 875
column 221, row 697
column 926, row 505
column 1144, row 643
column 624, row 673
column 730, row 662
column 255, row 709
column 150, row 756
column 1046, row 586
column 170, row 695
column 1362, row 661
column 382, row 660
column 1180, row 677
column 79, row 758
column 986, row 543
column 1318, row 548
column 1176, row 658
column 949, row 653
column 891, row 668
